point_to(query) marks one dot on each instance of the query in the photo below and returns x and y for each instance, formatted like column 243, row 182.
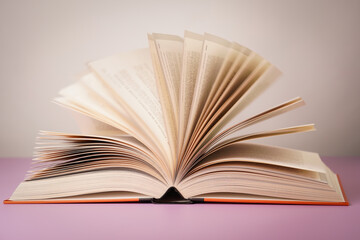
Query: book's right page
column 262, row 172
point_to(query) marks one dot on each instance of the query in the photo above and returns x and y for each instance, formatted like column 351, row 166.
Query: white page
column 213, row 54
column 269, row 113
column 191, row 61
column 81, row 99
column 170, row 53
column 270, row 155
column 92, row 98
column 234, row 59
column 92, row 126
column 261, row 84
column 131, row 76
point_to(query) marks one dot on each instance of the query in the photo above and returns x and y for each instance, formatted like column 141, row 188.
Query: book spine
column 197, row 200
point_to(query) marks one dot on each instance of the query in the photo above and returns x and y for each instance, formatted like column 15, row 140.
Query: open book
column 154, row 129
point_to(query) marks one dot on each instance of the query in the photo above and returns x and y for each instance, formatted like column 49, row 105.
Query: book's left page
column 130, row 76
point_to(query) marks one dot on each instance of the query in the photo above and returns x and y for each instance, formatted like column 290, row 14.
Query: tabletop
column 170, row 221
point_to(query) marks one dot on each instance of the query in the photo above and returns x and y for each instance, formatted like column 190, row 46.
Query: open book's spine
column 181, row 201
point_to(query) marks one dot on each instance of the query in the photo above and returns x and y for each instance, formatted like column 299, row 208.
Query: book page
column 271, row 155
column 246, row 75
column 299, row 175
column 213, row 54
column 234, row 59
column 104, row 95
column 131, row 76
column 269, row 113
column 54, row 140
column 170, row 52
column 81, row 99
column 92, row 126
column 165, row 101
column 191, row 61
column 211, row 149
column 86, row 112
column 229, row 141
column 240, row 177
column 259, row 86
column 228, row 79
column 61, row 153
column 89, row 183
column 262, row 170
column 90, row 97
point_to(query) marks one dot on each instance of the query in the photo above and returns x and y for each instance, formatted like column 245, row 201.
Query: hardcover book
column 156, row 127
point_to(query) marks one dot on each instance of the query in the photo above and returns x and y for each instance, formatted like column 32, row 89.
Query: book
column 156, row 126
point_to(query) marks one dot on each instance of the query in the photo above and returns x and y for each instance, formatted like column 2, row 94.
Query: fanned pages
column 153, row 130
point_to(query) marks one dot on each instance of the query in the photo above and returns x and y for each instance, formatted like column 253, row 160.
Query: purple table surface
column 166, row 221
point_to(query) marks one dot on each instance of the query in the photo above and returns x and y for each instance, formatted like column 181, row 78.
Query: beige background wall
column 45, row 44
